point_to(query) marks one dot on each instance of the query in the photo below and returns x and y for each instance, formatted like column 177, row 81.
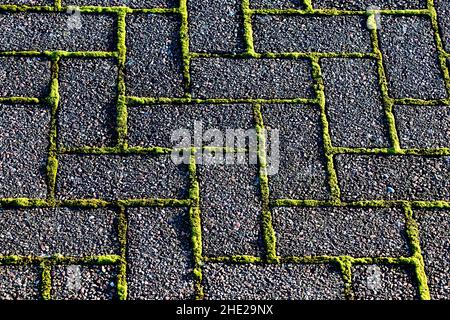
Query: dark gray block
column 23, row 150
column 278, row 33
column 22, row 76
column 231, row 209
column 250, row 78
column 357, row 232
column 73, row 282
column 53, row 231
column 384, row 282
column 443, row 11
column 128, row 3
column 410, row 57
column 19, row 282
column 120, row 177
column 28, row 2
column 369, row 4
column 355, row 114
column 434, row 226
column 276, row 4
column 423, row 126
column 154, row 66
column 216, row 26
column 284, row 282
column 159, row 254
column 154, row 125
column 57, row 31
column 366, row 177
column 301, row 172
column 87, row 106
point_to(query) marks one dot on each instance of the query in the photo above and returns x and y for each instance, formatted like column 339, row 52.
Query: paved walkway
column 120, row 176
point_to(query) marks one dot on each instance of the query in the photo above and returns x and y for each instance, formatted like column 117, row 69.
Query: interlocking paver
column 19, row 282
column 276, row 4
column 443, row 11
column 369, row 4
column 128, row 3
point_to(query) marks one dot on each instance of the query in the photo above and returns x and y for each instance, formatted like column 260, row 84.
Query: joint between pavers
column 46, row 281
column 122, row 114
column 185, row 49
column 248, row 29
column 122, row 288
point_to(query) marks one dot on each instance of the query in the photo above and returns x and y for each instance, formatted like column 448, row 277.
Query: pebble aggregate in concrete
column 28, row 2
column 276, row 4
column 159, row 254
column 369, row 4
column 250, row 78
column 356, row 114
column 50, row 231
column 367, row 177
column 443, row 11
column 19, row 282
column 128, row 3
column 275, row 33
column 23, row 150
column 286, row 281
column 357, row 232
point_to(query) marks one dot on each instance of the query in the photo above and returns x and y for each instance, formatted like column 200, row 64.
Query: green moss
column 248, row 32
column 46, row 281
column 122, row 273
column 184, row 38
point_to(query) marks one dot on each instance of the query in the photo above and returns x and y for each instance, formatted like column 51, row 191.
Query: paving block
column 369, row 4
column 410, row 57
column 251, row 78
column 356, row 115
column 111, row 177
column 336, row 231
column 28, row 2
column 443, row 12
column 423, row 126
column 50, row 231
column 216, row 26
column 74, row 282
column 276, row 4
column 19, row 282
column 87, row 105
column 23, row 150
column 300, row 33
column 153, row 66
column 267, row 282
column 160, row 262
column 376, row 177
column 128, row 3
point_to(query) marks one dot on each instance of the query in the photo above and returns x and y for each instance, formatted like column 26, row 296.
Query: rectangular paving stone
column 23, row 150
column 292, row 33
column 216, row 26
column 356, row 116
column 74, row 282
column 128, row 3
column 434, row 227
column 230, row 209
column 423, row 126
column 28, row 2
column 369, row 4
column 154, row 66
column 384, row 282
column 87, row 105
column 371, row 177
column 410, row 57
column 276, row 4
column 154, row 125
column 50, row 231
column 443, row 12
column 120, row 177
column 250, row 78
column 19, row 282
column 24, row 77
column 272, row 282
column 57, row 31
column 160, row 262
column 357, row 232
column 300, row 159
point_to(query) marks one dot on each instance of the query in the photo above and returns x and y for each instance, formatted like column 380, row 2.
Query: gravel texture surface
column 366, row 4
column 128, row 3
column 19, row 282
column 276, row 4
column 443, row 10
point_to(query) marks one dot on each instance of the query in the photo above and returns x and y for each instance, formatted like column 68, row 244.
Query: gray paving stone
column 24, row 77
column 50, row 231
column 366, row 177
column 410, row 58
column 357, row 232
column 250, row 78
column 216, row 26
column 443, row 11
column 423, row 126
column 56, row 31
column 128, row 3
column 153, row 67
column 87, row 106
column 230, row 209
column 19, row 282
column 277, row 33
column 74, row 282
column 276, row 4
column 284, row 282
column 23, row 150
column 154, row 125
column 301, row 160
column 28, row 2
column 120, row 177
column 159, row 254
column 384, row 282
column 356, row 116
column 365, row 4
column 434, row 226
